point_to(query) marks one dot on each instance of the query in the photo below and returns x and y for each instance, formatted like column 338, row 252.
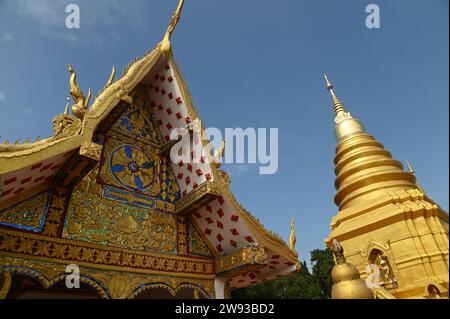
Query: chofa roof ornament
column 165, row 44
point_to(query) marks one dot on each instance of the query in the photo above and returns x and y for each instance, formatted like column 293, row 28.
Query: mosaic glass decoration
column 132, row 167
column 27, row 215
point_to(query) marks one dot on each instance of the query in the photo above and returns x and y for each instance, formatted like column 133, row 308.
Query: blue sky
column 255, row 64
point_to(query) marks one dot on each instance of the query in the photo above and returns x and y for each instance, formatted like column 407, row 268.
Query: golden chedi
column 347, row 283
column 385, row 219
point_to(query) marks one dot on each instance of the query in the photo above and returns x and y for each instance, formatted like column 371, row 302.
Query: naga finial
column 81, row 103
column 293, row 238
column 165, row 44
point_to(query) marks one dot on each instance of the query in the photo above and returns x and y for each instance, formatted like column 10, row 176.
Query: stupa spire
column 338, row 106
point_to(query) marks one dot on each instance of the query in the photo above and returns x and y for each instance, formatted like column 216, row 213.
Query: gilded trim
column 56, row 250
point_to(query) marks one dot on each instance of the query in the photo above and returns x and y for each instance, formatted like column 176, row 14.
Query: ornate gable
column 128, row 200
column 118, row 203
column 132, row 168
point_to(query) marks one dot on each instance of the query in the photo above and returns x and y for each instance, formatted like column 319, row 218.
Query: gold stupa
column 385, row 219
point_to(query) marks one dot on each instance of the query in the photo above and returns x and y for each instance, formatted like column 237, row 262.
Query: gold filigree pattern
column 249, row 258
column 27, row 215
column 56, row 212
column 182, row 236
column 197, row 245
column 108, row 284
column 91, row 150
column 42, row 248
column 94, row 219
column 197, row 198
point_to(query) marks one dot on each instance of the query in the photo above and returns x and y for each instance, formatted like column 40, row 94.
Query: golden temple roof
column 74, row 135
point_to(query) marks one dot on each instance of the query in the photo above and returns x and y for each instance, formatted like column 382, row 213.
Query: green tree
column 322, row 262
column 300, row 285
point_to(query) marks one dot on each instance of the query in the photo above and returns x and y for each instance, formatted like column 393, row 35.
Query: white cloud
column 97, row 18
column 239, row 169
column 46, row 12
column 26, row 110
column 6, row 37
column 2, row 96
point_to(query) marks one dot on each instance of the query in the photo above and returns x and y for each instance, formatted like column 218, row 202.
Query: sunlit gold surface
column 81, row 102
column 346, row 279
column 165, row 44
column 5, row 280
column 383, row 210
column 293, row 238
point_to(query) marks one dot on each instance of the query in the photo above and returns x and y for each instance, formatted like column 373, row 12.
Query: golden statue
column 386, row 274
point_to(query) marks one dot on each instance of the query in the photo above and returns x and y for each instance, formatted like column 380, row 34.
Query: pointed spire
column 411, row 170
column 338, row 106
column 66, row 110
column 293, row 238
column 165, row 44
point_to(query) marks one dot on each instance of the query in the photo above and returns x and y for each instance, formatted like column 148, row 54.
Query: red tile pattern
column 277, row 266
column 14, row 183
column 171, row 113
column 218, row 222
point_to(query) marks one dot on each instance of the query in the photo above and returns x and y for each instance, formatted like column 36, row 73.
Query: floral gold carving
column 91, row 150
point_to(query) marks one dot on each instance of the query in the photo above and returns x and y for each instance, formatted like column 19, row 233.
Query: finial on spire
column 66, row 110
column 411, row 170
column 329, row 85
column 165, row 44
column 338, row 106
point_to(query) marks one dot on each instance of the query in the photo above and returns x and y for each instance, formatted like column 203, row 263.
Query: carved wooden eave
column 197, row 198
column 249, row 258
